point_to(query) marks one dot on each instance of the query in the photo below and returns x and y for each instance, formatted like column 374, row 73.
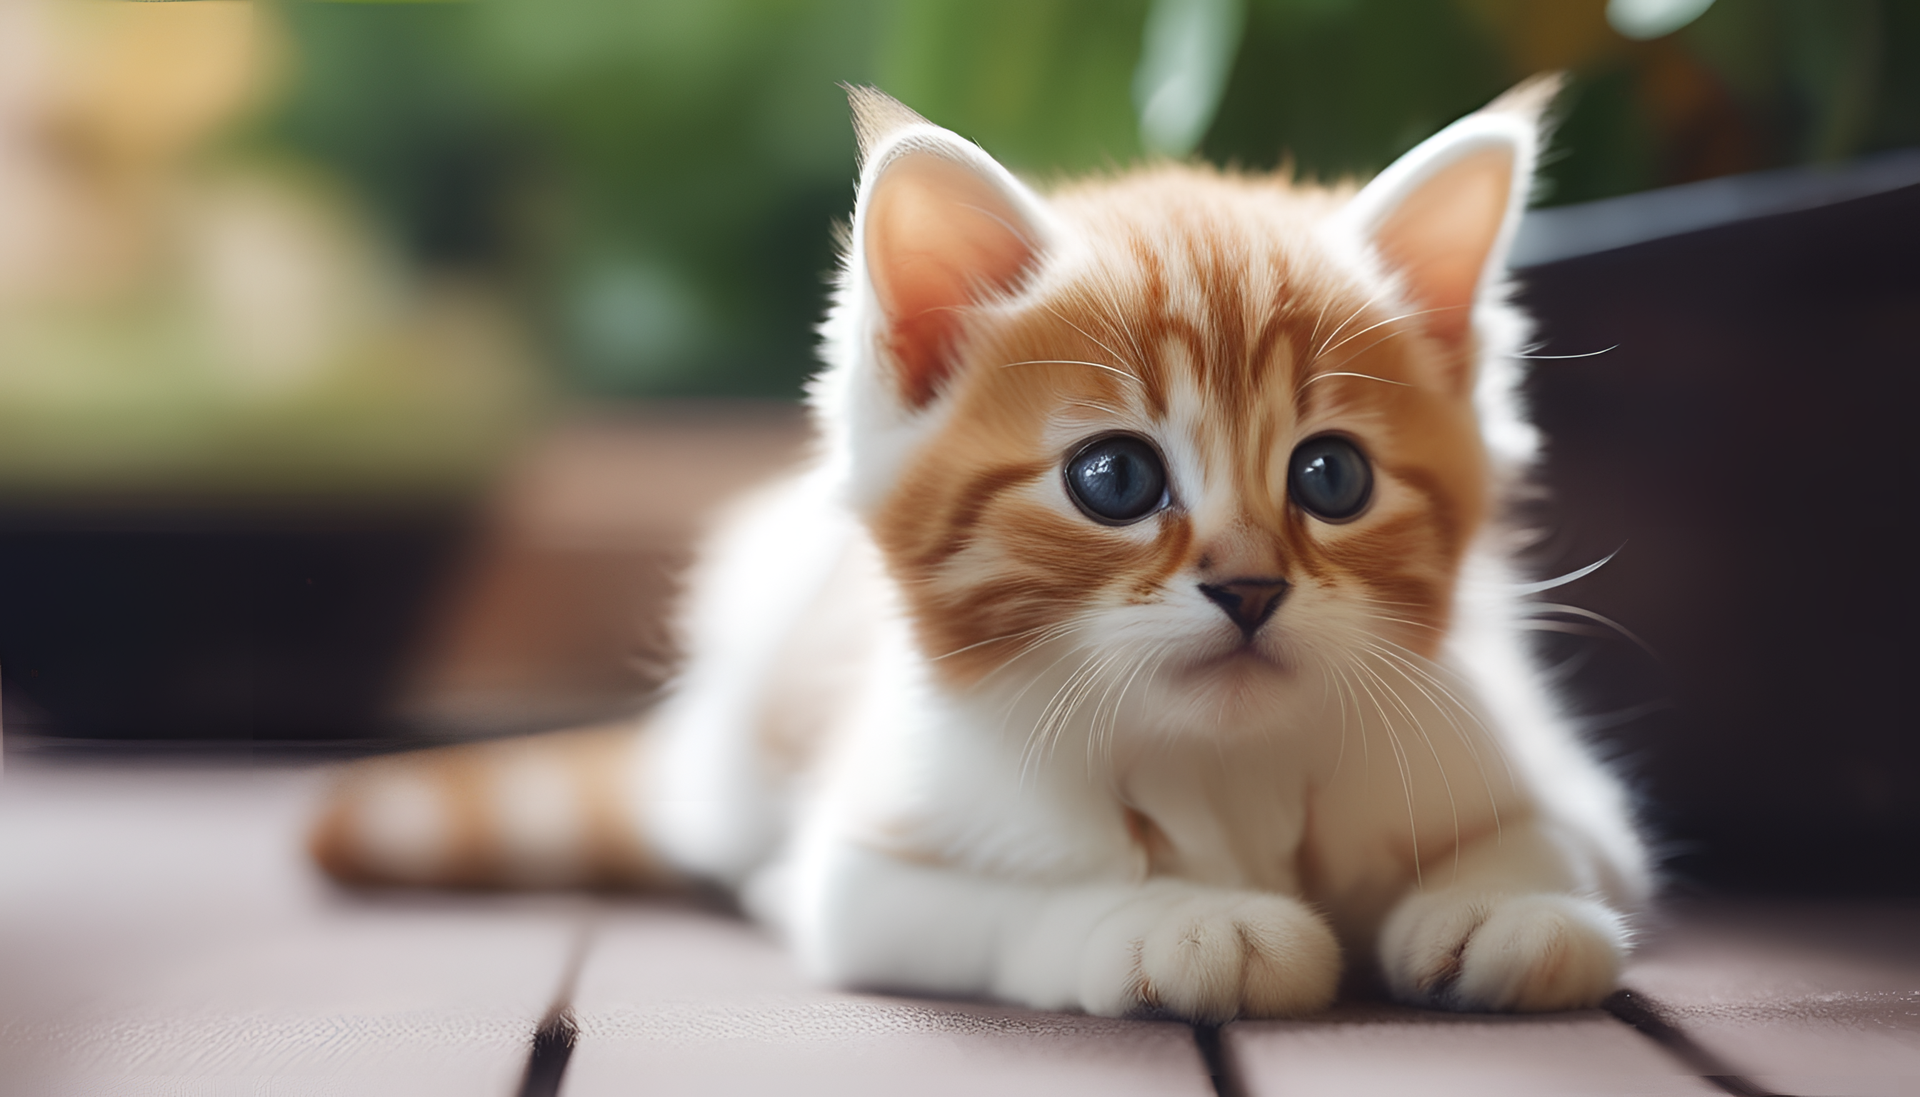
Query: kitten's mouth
column 1243, row 660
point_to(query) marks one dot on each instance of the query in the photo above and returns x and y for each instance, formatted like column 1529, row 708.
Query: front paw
column 1206, row 954
column 1502, row 952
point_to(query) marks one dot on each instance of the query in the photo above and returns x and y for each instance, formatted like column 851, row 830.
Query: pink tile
column 1363, row 1051
column 161, row 933
column 678, row 1002
column 1800, row 997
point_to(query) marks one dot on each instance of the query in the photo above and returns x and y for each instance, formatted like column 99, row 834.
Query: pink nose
column 1247, row 602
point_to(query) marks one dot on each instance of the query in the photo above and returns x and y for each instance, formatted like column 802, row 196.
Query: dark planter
column 1747, row 448
column 212, row 623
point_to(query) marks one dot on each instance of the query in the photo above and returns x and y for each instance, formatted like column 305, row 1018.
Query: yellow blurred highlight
column 179, row 322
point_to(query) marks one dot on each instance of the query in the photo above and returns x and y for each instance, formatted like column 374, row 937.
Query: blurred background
column 367, row 368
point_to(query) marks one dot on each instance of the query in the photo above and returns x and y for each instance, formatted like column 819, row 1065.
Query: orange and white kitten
column 1142, row 637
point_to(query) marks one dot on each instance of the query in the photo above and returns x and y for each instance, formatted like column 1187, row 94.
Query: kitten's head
column 1208, row 434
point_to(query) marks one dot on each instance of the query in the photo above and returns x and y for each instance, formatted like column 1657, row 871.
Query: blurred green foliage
column 656, row 179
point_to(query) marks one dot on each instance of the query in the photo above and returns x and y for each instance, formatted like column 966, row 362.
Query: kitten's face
column 1201, row 455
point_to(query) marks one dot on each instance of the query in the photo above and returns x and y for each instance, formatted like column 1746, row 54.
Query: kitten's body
column 951, row 731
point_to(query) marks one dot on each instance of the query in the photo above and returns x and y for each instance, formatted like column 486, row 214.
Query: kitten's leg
column 1515, row 928
column 1207, row 954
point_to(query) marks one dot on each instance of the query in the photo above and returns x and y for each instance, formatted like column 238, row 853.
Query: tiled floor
column 161, row 933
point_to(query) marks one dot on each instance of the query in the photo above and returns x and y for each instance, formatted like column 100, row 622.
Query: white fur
column 403, row 825
column 869, row 432
column 542, row 823
column 1512, row 440
column 709, row 799
column 1038, row 892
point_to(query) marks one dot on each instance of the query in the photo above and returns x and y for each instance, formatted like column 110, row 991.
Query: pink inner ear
column 939, row 237
column 1440, row 235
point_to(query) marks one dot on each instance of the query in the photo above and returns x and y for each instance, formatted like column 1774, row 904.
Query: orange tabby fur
column 950, row 733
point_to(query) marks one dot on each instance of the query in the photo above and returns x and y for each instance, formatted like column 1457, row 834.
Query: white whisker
column 990, row 640
column 1563, row 580
column 1563, row 357
column 1401, row 761
column 1383, row 323
column 1038, row 735
column 1356, row 354
column 1089, row 336
column 1408, row 659
column 1115, row 314
column 1117, row 372
column 1335, row 333
column 1576, row 611
column 1419, row 727
column 1314, row 335
column 1407, row 670
column 1363, row 376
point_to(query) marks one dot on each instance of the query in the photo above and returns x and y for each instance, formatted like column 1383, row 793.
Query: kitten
column 1142, row 636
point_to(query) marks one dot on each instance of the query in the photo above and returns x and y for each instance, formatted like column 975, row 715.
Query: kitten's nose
column 1248, row 602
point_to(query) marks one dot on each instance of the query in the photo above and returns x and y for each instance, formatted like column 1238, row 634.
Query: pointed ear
column 939, row 228
column 1443, row 215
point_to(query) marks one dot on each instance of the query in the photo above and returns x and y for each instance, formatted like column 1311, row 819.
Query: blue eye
column 1117, row 479
column 1330, row 478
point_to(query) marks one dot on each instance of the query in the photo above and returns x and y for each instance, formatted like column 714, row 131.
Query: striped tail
column 556, row 810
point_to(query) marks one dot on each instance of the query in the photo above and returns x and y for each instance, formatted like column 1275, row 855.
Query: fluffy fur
column 949, row 734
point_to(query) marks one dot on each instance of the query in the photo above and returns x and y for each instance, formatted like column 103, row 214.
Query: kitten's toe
column 1211, row 956
column 1503, row 952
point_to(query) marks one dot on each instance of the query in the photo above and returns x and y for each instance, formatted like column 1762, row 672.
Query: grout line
column 552, row 1046
column 1219, row 1062
column 559, row 1031
column 1645, row 1017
